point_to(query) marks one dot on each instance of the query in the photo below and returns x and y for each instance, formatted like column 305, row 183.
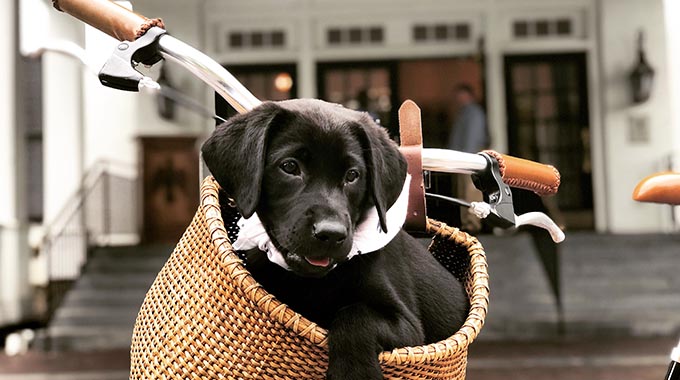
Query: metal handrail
column 70, row 236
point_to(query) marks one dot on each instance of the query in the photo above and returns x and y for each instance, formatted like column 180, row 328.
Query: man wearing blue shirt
column 469, row 134
column 469, row 129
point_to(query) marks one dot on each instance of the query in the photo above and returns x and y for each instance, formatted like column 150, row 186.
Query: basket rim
column 317, row 335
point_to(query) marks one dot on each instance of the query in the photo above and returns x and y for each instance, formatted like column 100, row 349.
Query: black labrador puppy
column 312, row 172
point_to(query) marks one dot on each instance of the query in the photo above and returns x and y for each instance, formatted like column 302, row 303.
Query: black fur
column 397, row 296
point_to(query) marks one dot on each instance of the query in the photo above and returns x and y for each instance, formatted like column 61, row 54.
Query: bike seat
column 661, row 187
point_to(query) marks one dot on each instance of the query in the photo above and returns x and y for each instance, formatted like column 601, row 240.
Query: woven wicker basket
column 205, row 317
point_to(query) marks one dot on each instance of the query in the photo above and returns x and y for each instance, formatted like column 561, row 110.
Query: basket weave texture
column 205, row 317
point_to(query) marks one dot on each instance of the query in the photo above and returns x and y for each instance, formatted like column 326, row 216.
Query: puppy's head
column 310, row 170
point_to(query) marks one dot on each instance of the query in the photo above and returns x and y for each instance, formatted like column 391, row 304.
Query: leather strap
column 411, row 135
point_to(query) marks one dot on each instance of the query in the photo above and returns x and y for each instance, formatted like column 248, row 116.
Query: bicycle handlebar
column 659, row 188
column 126, row 25
column 145, row 41
column 516, row 172
column 209, row 71
column 111, row 18
column 540, row 178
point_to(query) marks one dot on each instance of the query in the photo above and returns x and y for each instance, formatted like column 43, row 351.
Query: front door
column 170, row 187
column 547, row 108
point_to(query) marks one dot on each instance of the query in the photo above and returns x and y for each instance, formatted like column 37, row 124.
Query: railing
column 87, row 220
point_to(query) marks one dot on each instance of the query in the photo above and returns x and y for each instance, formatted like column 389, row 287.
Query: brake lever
column 496, row 192
column 119, row 71
column 484, row 210
column 541, row 220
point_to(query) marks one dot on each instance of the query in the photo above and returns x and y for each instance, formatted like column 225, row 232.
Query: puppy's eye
column 351, row 175
column 290, row 167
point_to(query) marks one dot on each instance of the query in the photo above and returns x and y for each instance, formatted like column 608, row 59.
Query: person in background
column 469, row 134
column 364, row 104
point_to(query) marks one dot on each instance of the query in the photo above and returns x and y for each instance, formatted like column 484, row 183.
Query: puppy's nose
column 330, row 232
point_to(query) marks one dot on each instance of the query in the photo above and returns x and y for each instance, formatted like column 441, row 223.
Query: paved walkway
column 612, row 285
column 592, row 359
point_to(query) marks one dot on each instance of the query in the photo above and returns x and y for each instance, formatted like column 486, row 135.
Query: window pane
column 563, row 27
column 520, row 29
column 420, row 33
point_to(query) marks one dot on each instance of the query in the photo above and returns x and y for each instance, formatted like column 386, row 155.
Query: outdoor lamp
column 642, row 76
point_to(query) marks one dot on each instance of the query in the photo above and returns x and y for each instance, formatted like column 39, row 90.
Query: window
column 543, row 28
column 355, row 35
column 442, row 32
column 256, row 39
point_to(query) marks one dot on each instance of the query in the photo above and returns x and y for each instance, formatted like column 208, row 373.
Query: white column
column 672, row 12
column 13, row 250
column 62, row 118
column 495, row 85
column 306, row 70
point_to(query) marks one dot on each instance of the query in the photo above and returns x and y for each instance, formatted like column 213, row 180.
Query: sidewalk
column 38, row 365
column 593, row 359
column 612, row 286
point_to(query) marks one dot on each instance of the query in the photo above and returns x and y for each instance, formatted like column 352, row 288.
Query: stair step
column 69, row 338
column 114, row 281
column 95, row 317
column 108, row 296
column 100, row 310
column 126, row 265
column 147, row 251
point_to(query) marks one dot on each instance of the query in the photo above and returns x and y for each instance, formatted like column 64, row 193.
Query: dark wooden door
column 547, row 105
column 170, row 187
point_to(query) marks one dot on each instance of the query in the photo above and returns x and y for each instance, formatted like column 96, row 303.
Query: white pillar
column 62, row 118
column 306, row 70
column 14, row 287
column 672, row 12
column 495, row 84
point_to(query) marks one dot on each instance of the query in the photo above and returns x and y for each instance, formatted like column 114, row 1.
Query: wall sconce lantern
column 642, row 76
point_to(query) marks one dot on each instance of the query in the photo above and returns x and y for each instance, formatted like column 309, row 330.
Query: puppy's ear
column 387, row 167
column 236, row 152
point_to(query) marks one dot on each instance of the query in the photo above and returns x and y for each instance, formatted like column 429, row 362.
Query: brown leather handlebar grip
column 659, row 188
column 109, row 17
column 529, row 175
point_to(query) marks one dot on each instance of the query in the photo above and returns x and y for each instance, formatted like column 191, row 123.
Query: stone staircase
column 612, row 286
column 99, row 311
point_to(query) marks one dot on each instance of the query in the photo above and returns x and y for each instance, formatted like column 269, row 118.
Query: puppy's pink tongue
column 320, row 262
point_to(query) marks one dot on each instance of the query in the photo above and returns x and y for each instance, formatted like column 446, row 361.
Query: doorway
column 265, row 82
column 370, row 86
column 428, row 82
column 548, row 122
column 169, row 187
